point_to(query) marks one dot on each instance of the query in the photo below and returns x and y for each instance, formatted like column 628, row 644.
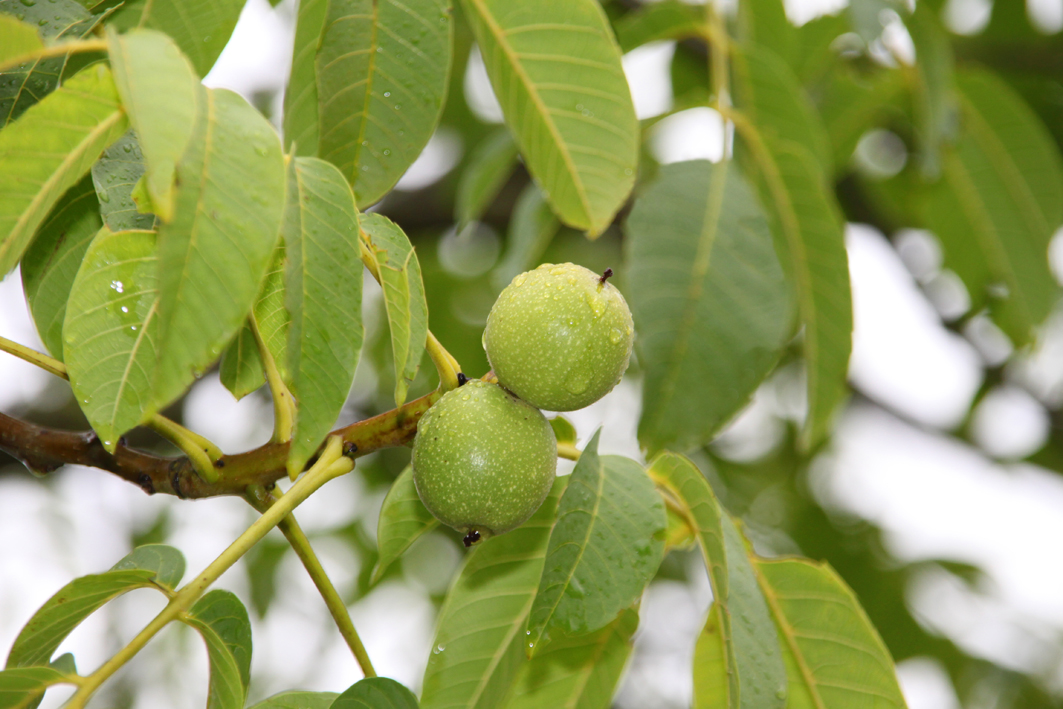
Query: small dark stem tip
column 606, row 275
column 462, row 379
column 349, row 448
column 471, row 538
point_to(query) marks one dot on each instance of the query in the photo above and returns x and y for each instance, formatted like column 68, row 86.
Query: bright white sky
column 934, row 497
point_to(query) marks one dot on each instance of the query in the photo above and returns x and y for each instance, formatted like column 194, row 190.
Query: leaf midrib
column 500, row 37
column 48, row 185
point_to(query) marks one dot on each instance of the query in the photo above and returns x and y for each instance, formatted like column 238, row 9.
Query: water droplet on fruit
column 577, row 383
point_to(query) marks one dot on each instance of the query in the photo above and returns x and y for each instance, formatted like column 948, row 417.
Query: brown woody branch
column 43, row 449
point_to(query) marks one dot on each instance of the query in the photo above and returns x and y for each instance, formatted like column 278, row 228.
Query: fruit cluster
column 484, row 458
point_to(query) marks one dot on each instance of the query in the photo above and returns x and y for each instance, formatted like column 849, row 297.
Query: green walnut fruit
column 559, row 337
column 483, row 460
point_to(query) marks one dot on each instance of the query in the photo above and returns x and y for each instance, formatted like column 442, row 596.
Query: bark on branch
column 43, row 449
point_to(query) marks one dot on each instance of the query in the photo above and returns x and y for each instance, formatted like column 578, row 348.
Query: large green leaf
column 403, row 519
column 382, row 74
column 214, row 255
column 709, row 300
column 22, row 687
column 16, row 38
column 489, row 166
column 60, row 614
column 604, row 549
column 241, row 366
column 531, row 228
column 404, row 300
column 555, row 68
column 998, row 204
column 652, row 22
column 114, row 175
column 52, row 260
column 376, row 693
column 764, row 23
column 201, row 28
column 711, row 688
column 298, row 700
column 110, row 333
column 834, row 657
column 771, row 95
column 301, row 124
column 752, row 670
column 480, row 638
column 50, row 148
column 810, row 230
column 577, row 672
column 162, row 95
column 323, row 295
column 934, row 103
column 23, row 85
column 222, row 621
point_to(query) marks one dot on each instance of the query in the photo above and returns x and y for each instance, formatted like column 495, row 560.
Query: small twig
column 262, row 500
column 27, row 354
column 332, row 464
column 199, row 450
column 567, row 450
column 283, row 402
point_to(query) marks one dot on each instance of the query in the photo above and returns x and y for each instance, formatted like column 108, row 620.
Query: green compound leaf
column 222, row 621
column 241, row 365
column 811, row 234
column 773, row 98
column 404, row 299
column 556, row 70
column 16, row 38
column 604, row 549
column 709, row 300
column 480, row 640
column 301, row 125
column 162, row 95
column 531, row 229
column 403, row 519
column 376, row 693
column 52, row 260
column 382, row 73
column 834, row 657
column 114, row 176
column 110, row 334
column 146, row 567
column 23, row 85
column 490, row 165
column 298, row 700
column 323, row 295
column 23, row 687
column 50, row 148
column 214, row 255
column 201, row 28
column 752, row 671
column 999, row 203
column 653, row 22
column 579, row 672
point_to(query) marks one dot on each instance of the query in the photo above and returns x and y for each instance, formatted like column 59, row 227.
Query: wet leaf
column 116, row 172
column 604, row 549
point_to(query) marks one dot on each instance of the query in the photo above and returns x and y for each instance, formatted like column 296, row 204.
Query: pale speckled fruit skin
column 483, row 460
column 558, row 338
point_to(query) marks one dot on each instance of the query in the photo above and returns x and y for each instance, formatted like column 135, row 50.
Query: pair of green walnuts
column 484, row 458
